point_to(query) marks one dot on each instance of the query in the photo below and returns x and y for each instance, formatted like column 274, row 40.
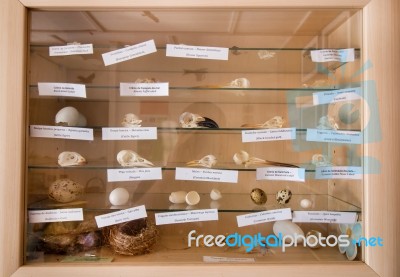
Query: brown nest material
column 132, row 238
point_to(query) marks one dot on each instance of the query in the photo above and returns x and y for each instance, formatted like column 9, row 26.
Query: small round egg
column 306, row 203
column 283, row 196
column 119, row 196
column 68, row 116
column 65, row 190
column 258, row 196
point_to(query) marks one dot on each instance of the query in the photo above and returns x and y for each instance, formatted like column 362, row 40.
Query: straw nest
column 132, row 238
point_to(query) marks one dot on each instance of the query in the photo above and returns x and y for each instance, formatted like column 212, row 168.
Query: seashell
column 68, row 116
column 67, row 158
column 313, row 239
column 192, row 198
column 119, row 196
column 207, row 161
column 131, row 120
column 132, row 159
column 178, row 197
column 306, row 203
column 287, row 228
column 258, row 196
column 65, row 190
column 283, row 196
column 215, row 194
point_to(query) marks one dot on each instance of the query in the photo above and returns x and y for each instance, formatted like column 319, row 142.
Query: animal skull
column 131, row 120
column 70, row 158
column 190, row 120
column 132, row 159
column 207, row 161
column 239, row 83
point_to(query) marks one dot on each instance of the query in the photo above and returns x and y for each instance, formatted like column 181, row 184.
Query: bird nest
column 132, row 238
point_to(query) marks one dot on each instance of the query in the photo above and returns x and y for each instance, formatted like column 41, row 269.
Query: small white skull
column 239, row 83
column 68, row 158
column 131, row 120
column 132, row 159
column 207, row 161
column 190, row 120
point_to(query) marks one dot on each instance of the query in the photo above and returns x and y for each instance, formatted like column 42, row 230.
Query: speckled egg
column 65, row 190
column 283, row 196
column 258, row 196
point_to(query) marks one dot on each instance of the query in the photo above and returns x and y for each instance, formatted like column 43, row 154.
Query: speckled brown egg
column 258, row 196
column 65, row 190
column 283, row 196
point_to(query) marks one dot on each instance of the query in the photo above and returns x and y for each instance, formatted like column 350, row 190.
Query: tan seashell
column 68, row 158
column 65, row 190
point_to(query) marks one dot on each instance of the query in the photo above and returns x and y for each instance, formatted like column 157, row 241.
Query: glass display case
column 182, row 126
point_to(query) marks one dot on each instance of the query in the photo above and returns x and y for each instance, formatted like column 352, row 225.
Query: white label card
column 324, row 217
column 264, row 216
column 121, row 216
column 62, row 89
column 334, row 136
column 197, row 52
column 73, row 49
column 333, row 55
column 213, row 259
column 268, row 134
column 134, row 174
column 42, row 131
column 339, row 95
column 206, row 175
column 186, row 216
column 139, row 133
column 281, row 173
column 339, row 172
column 144, row 89
column 129, row 53
column 58, row 215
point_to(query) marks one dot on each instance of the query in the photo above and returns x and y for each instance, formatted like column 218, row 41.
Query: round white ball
column 306, row 203
column 119, row 196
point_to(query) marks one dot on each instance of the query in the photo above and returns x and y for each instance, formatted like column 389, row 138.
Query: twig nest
column 258, row 196
column 135, row 237
column 65, row 190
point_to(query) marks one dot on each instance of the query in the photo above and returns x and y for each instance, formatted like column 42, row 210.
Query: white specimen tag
column 134, row 174
column 73, row 49
column 120, row 216
column 333, row 96
column 197, row 52
column 281, row 173
column 206, row 175
column 130, row 52
column 62, row 89
column 144, row 89
column 334, row 136
column 324, row 217
column 333, row 55
column 186, row 216
column 268, row 134
column 137, row 133
column 264, row 216
column 42, row 131
column 213, row 259
column 339, row 172
column 58, row 215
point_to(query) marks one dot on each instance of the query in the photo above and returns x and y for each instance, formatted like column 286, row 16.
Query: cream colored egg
column 119, row 196
column 65, row 190
column 306, row 203
column 192, row 198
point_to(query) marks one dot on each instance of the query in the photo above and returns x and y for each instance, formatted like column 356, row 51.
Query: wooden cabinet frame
column 381, row 46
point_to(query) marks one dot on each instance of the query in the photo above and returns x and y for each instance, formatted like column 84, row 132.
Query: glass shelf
column 159, row 202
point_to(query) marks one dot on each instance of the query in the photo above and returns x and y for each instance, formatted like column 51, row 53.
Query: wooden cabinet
column 279, row 85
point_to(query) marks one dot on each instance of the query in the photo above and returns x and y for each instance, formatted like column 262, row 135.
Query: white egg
column 82, row 122
column 178, row 197
column 306, row 203
column 68, row 116
column 192, row 198
column 119, row 196
column 288, row 228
